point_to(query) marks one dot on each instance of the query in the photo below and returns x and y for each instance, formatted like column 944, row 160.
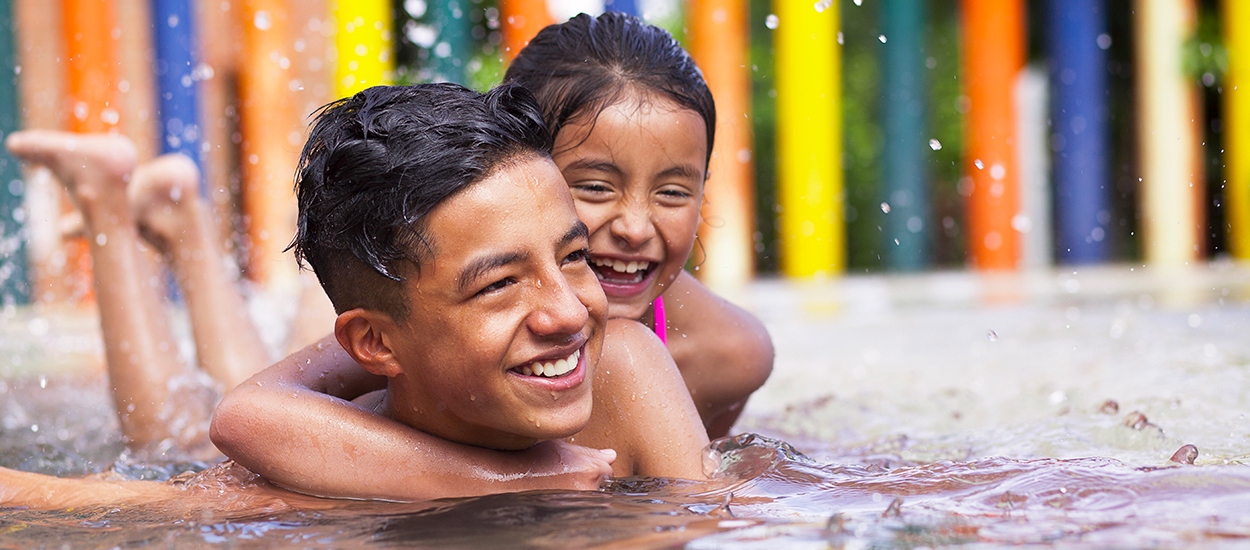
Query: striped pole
column 718, row 42
column 135, row 91
column 522, row 19
column 41, row 52
column 631, row 7
column 1236, row 23
column 809, row 139
column 270, row 139
column 363, row 42
column 14, row 284
column 1171, row 220
column 1078, row 78
column 450, row 18
column 174, row 26
column 903, row 162
column 994, row 54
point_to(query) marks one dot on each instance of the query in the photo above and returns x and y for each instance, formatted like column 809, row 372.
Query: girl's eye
column 675, row 194
column 581, row 255
column 495, row 286
column 592, row 187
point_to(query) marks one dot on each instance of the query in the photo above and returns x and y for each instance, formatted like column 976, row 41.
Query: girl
column 633, row 122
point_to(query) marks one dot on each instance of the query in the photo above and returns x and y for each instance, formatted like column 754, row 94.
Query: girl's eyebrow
column 597, row 165
column 683, row 171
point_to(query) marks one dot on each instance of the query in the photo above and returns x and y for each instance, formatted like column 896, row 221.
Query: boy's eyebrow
column 483, row 265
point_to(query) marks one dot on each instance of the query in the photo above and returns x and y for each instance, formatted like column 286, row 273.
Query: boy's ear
column 360, row 332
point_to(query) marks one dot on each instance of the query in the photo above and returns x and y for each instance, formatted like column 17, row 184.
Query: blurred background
column 856, row 136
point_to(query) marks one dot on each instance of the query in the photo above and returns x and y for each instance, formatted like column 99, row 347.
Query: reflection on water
column 922, row 430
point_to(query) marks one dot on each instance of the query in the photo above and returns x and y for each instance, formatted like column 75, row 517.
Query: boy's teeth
column 552, row 369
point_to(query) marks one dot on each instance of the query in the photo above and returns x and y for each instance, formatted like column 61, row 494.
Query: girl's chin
column 628, row 309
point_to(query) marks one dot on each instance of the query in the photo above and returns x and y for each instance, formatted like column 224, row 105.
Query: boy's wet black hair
column 377, row 162
column 582, row 66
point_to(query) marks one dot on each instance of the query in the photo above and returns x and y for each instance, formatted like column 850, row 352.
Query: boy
column 447, row 241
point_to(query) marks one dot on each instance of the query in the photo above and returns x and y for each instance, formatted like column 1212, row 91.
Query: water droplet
column 885, row 207
column 881, row 37
column 771, row 21
column 980, row 165
column 935, row 145
column 993, row 336
column 262, row 20
column 823, row 5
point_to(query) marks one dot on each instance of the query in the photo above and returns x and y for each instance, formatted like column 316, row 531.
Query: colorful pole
column 270, row 139
column 994, row 54
column 522, row 19
column 718, row 33
column 363, row 41
column 41, row 52
column 1167, row 136
column 135, row 91
column 631, row 7
column 450, row 18
column 1236, row 23
column 1078, row 76
column 809, row 139
column 14, row 285
column 903, row 162
column 177, row 88
column 219, row 32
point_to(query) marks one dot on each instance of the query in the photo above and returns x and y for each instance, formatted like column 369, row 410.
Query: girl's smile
column 636, row 172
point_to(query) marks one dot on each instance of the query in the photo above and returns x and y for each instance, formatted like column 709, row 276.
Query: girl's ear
column 360, row 332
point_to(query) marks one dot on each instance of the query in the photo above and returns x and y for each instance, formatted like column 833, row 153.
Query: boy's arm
column 282, row 426
column 642, row 408
column 724, row 352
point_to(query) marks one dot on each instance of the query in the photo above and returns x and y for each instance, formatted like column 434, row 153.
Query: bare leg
column 178, row 222
column 139, row 348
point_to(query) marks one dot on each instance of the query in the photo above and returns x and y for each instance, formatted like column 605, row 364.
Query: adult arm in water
column 287, row 425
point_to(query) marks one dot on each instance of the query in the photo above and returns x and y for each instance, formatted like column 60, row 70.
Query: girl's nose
column 633, row 227
column 557, row 311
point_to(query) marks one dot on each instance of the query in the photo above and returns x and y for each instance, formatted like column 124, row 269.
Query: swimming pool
column 934, row 410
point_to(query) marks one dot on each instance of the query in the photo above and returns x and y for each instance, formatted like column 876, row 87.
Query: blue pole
column 176, row 84
column 454, row 48
column 904, row 171
column 1078, row 75
column 14, row 284
column 623, row 6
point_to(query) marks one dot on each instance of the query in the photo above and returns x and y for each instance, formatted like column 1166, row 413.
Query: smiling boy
column 446, row 238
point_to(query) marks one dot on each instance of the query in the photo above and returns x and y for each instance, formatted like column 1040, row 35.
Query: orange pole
column 718, row 32
column 271, row 139
column 91, row 55
column 220, row 45
column 994, row 54
column 522, row 19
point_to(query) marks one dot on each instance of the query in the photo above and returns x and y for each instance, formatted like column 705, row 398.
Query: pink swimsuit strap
column 661, row 321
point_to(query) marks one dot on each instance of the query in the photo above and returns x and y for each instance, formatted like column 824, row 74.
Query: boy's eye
column 495, row 286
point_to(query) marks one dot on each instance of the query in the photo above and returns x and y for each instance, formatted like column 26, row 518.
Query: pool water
column 947, row 409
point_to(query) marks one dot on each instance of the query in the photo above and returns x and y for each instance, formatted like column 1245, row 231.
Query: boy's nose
column 633, row 227
column 558, row 311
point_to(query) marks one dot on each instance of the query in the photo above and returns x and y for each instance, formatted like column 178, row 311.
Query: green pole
column 14, row 284
column 453, row 49
column 904, row 159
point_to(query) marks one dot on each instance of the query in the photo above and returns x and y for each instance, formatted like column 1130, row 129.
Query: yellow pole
column 1236, row 24
column 363, row 43
column 809, row 138
column 1167, row 136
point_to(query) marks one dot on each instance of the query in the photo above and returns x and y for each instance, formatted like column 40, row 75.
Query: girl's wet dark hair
column 582, row 66
column 377, row 162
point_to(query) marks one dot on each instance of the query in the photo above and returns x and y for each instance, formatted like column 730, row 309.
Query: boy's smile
column 636, row 172
column 506, row 317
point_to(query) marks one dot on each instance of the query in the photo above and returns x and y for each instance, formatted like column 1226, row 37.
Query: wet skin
column 499, row 298
column 636, row 173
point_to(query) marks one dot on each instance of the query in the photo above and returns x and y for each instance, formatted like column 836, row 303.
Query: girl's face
column 636, row 173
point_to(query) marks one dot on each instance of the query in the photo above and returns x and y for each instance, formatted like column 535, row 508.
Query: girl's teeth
column 621, row 266
column 552, row 369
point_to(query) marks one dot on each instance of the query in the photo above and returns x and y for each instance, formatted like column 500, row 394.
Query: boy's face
column 507, row 292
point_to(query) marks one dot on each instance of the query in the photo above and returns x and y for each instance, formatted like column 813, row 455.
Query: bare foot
column 164, row 197
column 87, row 164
